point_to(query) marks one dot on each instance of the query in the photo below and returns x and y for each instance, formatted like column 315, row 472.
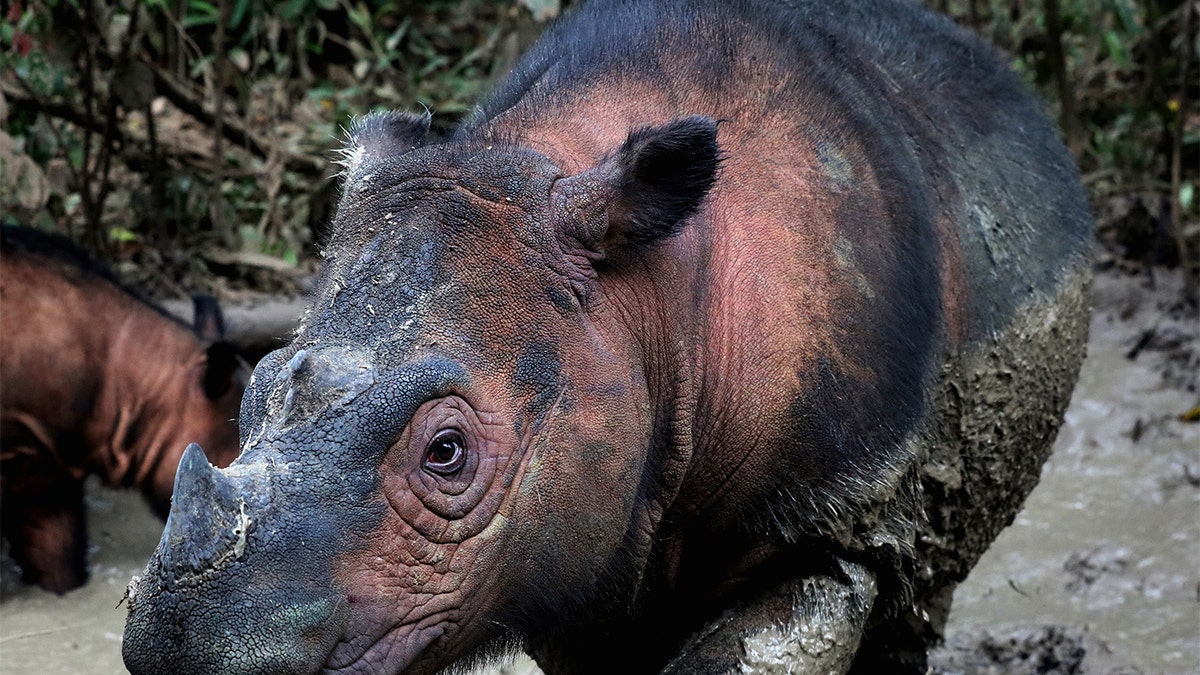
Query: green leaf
column 202, row 7
column 121, row 235
column 1187, row 194
column 293, row 9
column 397, row 35
column 200, row 13
column 361, row 17
column 1126, row 14
column 240, row 8
column 1116, row 49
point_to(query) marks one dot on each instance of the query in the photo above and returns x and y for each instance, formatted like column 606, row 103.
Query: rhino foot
column 810, row 625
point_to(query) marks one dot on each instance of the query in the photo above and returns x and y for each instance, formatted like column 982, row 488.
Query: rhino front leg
column 805, row 626
column 48, row 535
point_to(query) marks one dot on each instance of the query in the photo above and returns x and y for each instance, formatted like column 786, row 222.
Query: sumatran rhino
column 93, row 380
column 724, row 336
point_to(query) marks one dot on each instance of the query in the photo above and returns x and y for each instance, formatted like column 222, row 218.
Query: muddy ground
column 1099, row 575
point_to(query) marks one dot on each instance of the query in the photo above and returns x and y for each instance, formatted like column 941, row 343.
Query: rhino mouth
column 389, row 629
column 408, row 649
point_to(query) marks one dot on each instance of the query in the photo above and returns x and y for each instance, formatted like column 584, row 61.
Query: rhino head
column 466, row 441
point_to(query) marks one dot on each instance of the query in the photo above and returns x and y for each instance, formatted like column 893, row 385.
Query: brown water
column 1108, row 544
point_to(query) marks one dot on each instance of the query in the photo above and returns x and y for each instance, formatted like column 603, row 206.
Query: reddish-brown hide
column 95, row 381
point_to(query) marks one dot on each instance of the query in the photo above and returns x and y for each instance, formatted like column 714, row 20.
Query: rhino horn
column 208, row 525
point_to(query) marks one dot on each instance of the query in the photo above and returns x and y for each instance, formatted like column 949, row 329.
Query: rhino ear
column 382, row 134
column 647, row 190
column 221, row 362
column 207, row 320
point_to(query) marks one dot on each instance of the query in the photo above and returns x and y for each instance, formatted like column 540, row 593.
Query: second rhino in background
column 94, row 380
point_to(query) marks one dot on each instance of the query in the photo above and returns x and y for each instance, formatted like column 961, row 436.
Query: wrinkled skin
column 602, row 376
column 95, row 381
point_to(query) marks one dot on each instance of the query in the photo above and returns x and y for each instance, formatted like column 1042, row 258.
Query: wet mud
column 1099, row 574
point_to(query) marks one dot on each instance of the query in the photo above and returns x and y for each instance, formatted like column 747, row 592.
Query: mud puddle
column 1100, row 573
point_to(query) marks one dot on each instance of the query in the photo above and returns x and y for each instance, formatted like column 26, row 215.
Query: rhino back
column 891, row 195
column 890, row 274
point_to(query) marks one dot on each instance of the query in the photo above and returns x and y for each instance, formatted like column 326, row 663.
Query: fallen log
column 255, row 325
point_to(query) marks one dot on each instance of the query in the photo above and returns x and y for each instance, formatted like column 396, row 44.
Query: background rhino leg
column 810, row 625
column 45, row 526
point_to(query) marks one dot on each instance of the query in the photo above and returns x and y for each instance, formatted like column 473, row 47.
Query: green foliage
column 206, row 123
column 1127, row 109
column 186, row 125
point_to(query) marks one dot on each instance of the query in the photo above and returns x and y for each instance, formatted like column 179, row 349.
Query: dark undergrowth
column 188, row 141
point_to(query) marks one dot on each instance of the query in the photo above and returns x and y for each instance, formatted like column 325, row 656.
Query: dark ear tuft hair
column 382, row 134
column 645, row 191
column 662, row 175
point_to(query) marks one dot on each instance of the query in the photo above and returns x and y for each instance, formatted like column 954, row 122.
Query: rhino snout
column 221, row 595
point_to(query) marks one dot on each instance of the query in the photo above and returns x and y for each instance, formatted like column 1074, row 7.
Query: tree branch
column 1066, row 95
column 232, row 129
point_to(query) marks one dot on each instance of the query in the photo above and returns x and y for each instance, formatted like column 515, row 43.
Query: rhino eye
column 447, row 452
